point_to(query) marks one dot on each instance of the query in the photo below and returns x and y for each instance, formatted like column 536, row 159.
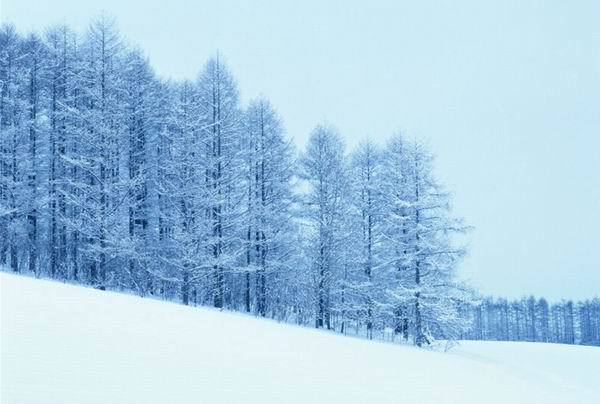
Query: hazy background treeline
column 535, row 320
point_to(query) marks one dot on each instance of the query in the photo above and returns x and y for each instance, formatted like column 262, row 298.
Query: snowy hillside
column 68, row 344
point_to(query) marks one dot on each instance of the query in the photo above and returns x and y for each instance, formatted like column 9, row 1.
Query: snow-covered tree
column 222, row 160
column 362, row 282
column 269, row 197
column 183, row 226
column 64, row 126
column 99, row 192
column 36, row 67
column 324, row 169
column 419, row 226
column 144, row 123
column 14, row 136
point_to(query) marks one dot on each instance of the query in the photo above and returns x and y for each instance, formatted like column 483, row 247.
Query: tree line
column 113, row 177
column 531, row 319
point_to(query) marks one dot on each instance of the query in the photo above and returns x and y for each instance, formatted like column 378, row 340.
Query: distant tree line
column 535, row 320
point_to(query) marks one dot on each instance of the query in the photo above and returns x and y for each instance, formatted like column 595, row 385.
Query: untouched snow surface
column 68, row 344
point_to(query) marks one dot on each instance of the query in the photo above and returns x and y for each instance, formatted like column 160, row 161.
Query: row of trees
column 529, row 319
column 112, row 177
column 115, row 178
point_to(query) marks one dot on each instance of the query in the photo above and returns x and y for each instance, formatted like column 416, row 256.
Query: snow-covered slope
column 67, row 344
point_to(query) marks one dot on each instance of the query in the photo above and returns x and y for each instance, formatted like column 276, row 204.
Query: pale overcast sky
column 507, row 93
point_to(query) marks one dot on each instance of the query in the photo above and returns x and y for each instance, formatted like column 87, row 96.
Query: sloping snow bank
column 68, row 344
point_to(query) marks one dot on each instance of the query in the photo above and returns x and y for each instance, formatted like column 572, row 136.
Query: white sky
column 507, row 93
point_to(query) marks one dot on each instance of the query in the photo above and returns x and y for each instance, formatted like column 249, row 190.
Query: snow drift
column 68, row 344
